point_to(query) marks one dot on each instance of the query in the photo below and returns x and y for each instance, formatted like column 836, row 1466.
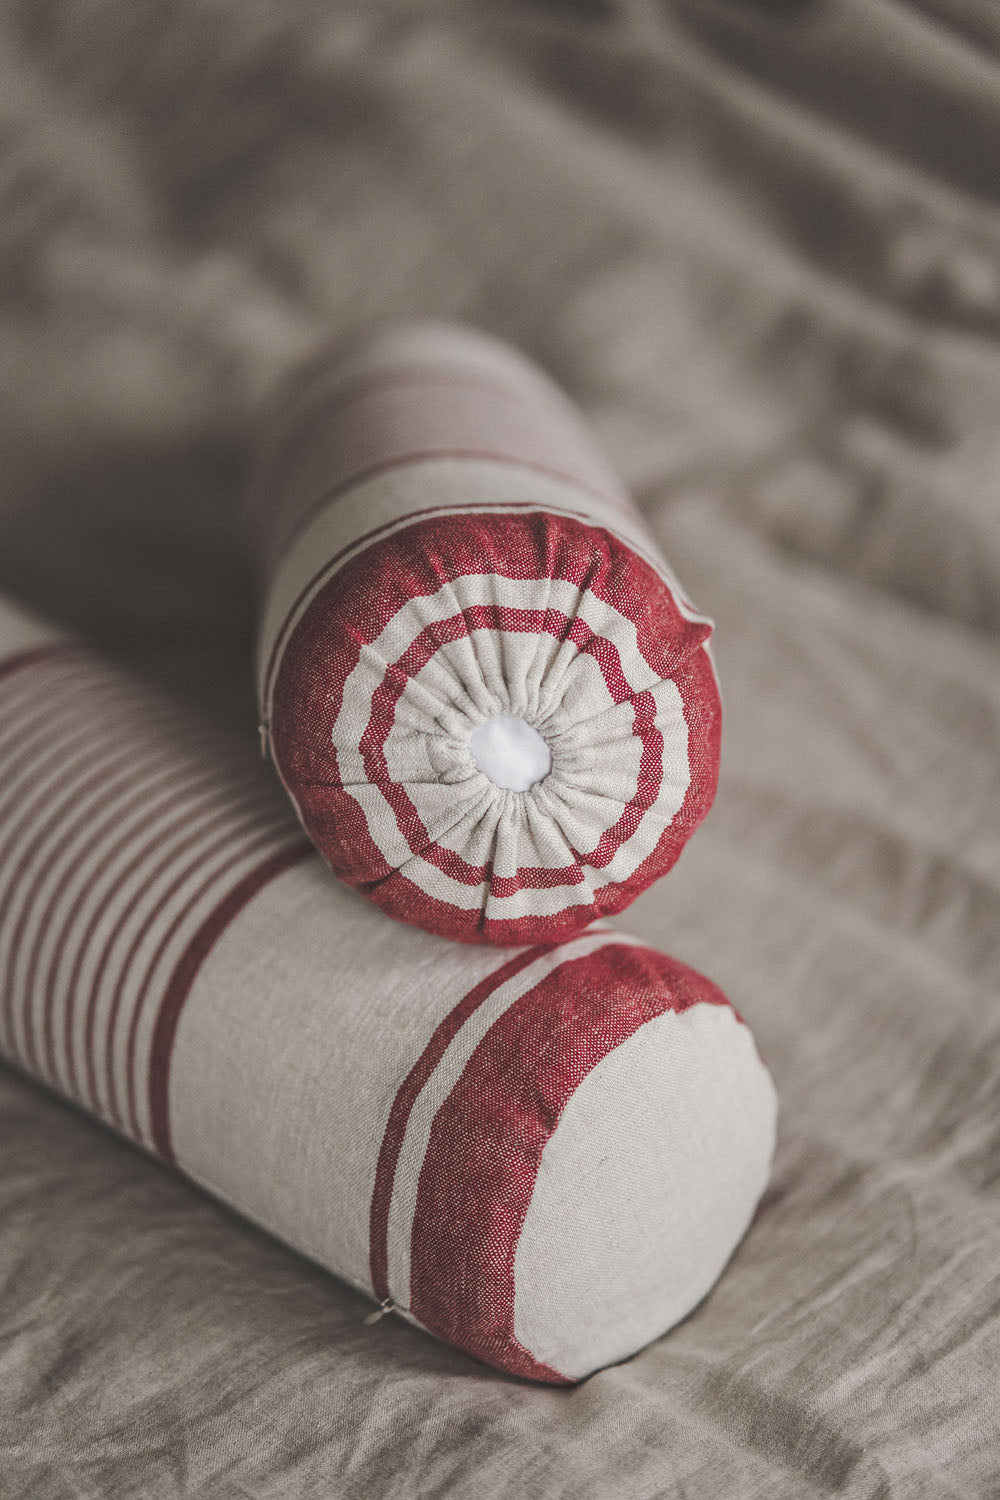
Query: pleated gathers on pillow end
column 546, row 637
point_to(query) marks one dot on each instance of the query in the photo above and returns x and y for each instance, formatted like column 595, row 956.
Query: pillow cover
column 492, row 707
column 544, row 1156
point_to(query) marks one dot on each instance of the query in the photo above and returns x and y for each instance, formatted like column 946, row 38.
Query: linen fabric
column 761, row 245
column 545, row 1157
column 446, row 551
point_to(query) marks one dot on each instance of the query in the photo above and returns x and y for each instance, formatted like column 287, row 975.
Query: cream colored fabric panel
column 304, row 1020
column 758, row 244
column 690, row 1119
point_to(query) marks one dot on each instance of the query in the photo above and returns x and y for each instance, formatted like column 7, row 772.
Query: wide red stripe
column 398, row 523
column 406, row 1096
column 186, row 972
column 487, row 1139
column 368, row 591
column 403, row 899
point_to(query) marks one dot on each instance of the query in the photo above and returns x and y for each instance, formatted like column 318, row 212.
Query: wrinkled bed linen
column 761, row 247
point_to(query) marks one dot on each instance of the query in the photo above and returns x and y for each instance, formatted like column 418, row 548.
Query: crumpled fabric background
column 761, row 247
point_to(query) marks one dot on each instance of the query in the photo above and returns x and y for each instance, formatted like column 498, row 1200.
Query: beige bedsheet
column 761, row 244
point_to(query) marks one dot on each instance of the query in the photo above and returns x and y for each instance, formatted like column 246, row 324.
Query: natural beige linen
column 545, row 1156
column 788, row 341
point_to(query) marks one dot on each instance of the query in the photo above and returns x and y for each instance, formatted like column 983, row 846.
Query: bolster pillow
column 544, row 1156
column 483, row 689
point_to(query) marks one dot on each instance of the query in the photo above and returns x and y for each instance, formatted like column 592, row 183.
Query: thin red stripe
column 54, row 732
column 186, row 972
column 186, row 785
column 309, row 409
column 354, row 606
column 231, row 830
column 311, row 412
column 400, row 897
column 28, row 890
column 55, row 723
column 74, row 789
column 406, row 1097
column 46, row 726
column 422, row 557
column 141, row 781
column 435, row 455
column 18, row 693
column 248, row 847
column 120, row 881
column 534, row 622
column 396, row 524
column 373, row 420
column 487, row 1139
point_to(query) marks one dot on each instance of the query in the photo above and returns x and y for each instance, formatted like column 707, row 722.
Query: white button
column 510, row 753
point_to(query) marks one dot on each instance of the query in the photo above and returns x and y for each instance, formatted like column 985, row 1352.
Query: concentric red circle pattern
column 372, row 824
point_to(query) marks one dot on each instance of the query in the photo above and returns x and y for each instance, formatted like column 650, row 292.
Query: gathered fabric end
column 590, row 678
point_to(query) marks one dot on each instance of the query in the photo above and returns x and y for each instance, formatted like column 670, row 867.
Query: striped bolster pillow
column 545, row 1157
column 493, row 708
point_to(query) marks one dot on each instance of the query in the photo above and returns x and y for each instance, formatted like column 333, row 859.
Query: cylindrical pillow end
column 448, row 553
column 578, row 1180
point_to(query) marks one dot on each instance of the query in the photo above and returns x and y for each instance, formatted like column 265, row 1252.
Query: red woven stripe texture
column 115, row 850
column 505, row 578
column 436, row 1124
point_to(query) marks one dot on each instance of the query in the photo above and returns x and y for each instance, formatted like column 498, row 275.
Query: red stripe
column 533, row 622
column 17, row 696
column 352, row 609
column 395, row 1130
column 82, row 715
column 186, row 785
column 74, row 790
column 184, row 976
column 435, row 455
column 232, row 830
column 401, row 898
column 375, row 424
column 304, row 411
column 239, row 857
column 487, row 1139
column 314, row 417
column 47, row 725
column 120, row 883
column 142, row 781
column 396, row 524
